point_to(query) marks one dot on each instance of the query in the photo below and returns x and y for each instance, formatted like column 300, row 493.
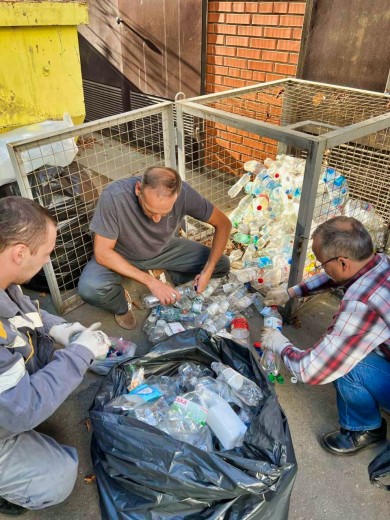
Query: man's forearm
column 218, row 246
column 115, row 262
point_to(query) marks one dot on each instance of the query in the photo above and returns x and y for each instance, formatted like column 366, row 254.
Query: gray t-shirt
column 119, row 216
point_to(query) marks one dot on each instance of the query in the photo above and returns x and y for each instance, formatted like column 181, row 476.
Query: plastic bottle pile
column 214, row 310
column 192, row 405
column 264, row 220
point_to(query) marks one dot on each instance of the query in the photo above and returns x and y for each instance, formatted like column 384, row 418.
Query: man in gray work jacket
column 35, row 471
column 135, row 225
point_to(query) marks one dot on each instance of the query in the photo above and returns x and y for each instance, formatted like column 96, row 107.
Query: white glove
column 279, row 297
column 273, row 339
column 95, row 341
column 62, row 332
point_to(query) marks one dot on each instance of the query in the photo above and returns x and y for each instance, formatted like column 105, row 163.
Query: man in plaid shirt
column 354, row 353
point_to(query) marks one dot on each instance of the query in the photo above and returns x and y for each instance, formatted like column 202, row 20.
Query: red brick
column 243, row 19
column 263, row 43
column 291, row 21
column 212, row 78
column 250, row 30
column 288, row 45
column 220, row 6
column 230, row 136
column 297, row 7
column 217, row 69
column 251, row 7
column 265, row 19
column 254, row 54
column 297, row 34
column 274, row 56
column 261, row 65
column 225, row 29
column 234, row 62
column 215, row 60
column 273, row 77
column 277, row 32
column 233, row 82
column 212, row 89
column 293, row 58
column 289, row 70
column 258, row 76
column 216, row 17
column 238, row 41
column 280, row 7
column 216, row 39
column 234, row 73
column 239, row 7
column 246, row 74
column 265, row 7
column 223, row 51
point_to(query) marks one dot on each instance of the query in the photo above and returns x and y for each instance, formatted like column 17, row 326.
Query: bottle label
column 190, row 410
column 273, row 323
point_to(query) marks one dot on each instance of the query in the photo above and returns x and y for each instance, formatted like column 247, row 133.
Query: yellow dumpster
column 40, row 74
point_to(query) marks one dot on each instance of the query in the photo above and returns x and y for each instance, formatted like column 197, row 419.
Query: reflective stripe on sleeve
column 12, row 376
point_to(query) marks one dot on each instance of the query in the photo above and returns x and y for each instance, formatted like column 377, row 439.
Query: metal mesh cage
column 329, row 126
column 66, row 172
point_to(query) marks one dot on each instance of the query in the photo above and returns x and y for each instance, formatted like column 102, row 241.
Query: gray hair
column 23, row 221
column 166, row 180
column 344, row 236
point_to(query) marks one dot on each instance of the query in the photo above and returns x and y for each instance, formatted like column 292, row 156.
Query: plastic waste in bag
column 243, row 387
column 170, row 477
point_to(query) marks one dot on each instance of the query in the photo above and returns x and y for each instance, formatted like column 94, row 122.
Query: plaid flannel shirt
column 361, row 325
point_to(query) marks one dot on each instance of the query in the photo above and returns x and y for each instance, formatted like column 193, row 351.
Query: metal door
column 346, row 43
column 162, row 46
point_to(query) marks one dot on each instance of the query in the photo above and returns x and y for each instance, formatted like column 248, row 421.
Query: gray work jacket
column 33, row 381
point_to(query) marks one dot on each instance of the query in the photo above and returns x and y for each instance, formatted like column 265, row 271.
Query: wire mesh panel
column 343, row 134
column 66, row 172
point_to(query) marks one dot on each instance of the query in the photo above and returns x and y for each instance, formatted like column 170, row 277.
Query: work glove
column 279, row 297
column 94, row 340
column 62, row 332
column 273, row 339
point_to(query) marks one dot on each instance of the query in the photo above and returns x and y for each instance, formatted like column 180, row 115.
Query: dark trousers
column 182, row 258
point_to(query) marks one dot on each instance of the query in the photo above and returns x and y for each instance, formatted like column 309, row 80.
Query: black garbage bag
column 144, row 473
column 379, row 469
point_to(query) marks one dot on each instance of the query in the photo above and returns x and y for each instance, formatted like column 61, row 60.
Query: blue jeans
column 182, row 258
column 362, row 392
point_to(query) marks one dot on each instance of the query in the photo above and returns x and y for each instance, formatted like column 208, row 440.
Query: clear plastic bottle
column 237, row 214
column 272, row 318
column 158, row 332
column 240, row 330
column 214, row 325
column 237, row 187
column 244, row 388
column 247, row 274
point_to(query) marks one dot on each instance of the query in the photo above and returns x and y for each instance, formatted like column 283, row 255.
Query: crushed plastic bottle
column 244, row 388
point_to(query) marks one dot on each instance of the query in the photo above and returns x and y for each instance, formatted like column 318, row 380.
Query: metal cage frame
column 288, row 136
column 65, row 303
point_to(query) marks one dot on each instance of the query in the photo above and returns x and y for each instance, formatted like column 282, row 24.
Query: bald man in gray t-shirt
column 135, row 225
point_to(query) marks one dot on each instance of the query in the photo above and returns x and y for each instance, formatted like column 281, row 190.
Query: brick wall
column 249, row 43
column 252, row 42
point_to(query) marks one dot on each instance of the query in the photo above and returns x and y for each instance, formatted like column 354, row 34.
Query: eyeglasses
column 320, row 266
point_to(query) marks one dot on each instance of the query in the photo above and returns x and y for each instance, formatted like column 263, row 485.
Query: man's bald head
column 166, row 181
column 344, row 236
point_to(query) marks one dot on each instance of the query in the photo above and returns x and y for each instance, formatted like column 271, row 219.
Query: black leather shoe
column 347, row 442
column 7, row 508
